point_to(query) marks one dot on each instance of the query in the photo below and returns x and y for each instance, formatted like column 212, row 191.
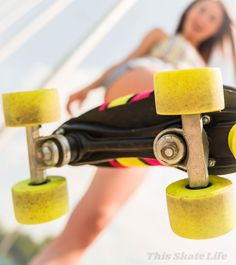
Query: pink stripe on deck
column 115, row 164
column 152, row 161
column 143, row 95
column 103, row 106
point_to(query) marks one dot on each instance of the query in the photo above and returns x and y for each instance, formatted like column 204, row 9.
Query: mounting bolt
column 211, row 162
column 206, row 119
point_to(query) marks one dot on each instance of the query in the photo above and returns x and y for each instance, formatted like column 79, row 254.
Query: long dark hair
column 224, row 33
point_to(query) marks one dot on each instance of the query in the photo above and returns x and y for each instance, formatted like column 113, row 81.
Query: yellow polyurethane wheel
column 232, row 140
column 201, row 213
column 31, row 108
column 35, row 204
column 191, row 91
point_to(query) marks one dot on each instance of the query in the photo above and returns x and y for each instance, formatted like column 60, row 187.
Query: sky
column 144, row 217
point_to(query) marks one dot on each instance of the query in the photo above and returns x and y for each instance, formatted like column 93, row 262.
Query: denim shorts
column 149, row 62
column 115, row 74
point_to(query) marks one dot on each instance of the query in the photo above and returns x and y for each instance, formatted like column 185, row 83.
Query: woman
column 204, row 25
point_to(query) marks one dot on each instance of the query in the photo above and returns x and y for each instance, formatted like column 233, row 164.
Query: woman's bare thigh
column 133, row 81
column 108, row 191
column 111, row 187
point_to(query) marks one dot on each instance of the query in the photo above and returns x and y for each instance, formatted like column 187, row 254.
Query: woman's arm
column 147, row 43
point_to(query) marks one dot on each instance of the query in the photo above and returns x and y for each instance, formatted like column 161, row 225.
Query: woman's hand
column 78, row 97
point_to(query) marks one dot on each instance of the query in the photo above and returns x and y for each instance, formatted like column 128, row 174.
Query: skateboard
column 187, row 122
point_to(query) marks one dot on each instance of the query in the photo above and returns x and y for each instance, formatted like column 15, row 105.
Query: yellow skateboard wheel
column 232, row 140
column 35, row 204
column 191, row 91
column 201, row 213
column 31, row 108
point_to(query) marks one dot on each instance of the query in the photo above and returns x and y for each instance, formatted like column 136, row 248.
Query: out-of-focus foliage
column 22, row 250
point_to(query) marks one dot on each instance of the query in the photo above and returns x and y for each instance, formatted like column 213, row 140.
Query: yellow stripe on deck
column 120, row 101
column 131, row 162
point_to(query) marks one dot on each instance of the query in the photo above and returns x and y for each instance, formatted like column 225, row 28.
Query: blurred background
column 66, row 44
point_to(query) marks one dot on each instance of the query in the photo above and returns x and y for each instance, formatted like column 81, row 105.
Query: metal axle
column 45, row 152
column 37, row 173
column 197, row 161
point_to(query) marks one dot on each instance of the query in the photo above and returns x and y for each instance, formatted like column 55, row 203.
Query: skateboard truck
column 38, row 199
column 186, row 149
column 200, row 206
column 45, row 152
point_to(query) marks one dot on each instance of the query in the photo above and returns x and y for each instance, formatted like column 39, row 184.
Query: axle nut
column 169, row 148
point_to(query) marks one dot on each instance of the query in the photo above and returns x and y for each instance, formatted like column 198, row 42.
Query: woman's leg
column 109, row 190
